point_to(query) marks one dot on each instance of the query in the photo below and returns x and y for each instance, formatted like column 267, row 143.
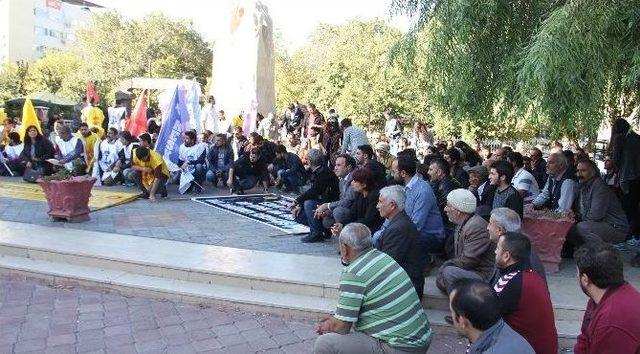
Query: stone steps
column 285, row 284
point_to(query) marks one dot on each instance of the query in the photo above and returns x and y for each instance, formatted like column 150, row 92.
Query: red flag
column 137, row 124
column 91, row 92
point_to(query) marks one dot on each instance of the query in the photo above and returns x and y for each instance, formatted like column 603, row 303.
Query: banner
column 192, row 95
column 91, row 92
column 137, row 123
column 29, row 118
column 175, row 122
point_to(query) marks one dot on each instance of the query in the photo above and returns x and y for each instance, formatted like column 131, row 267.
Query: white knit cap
column 463, row 200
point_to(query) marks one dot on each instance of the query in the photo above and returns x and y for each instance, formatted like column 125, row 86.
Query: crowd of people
column 400, row 205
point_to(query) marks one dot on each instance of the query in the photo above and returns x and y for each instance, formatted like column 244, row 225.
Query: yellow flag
column 29, row 118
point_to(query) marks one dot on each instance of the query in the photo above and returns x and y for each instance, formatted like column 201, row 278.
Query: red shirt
column 613, row 325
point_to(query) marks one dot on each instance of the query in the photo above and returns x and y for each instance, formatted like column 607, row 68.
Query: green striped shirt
column 377, row 295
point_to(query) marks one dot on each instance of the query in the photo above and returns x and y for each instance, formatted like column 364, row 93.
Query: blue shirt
column 422, row 207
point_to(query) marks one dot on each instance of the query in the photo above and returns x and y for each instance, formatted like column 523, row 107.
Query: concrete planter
column 68, row 199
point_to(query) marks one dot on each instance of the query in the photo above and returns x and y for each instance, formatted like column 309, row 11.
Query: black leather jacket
column 442, row 188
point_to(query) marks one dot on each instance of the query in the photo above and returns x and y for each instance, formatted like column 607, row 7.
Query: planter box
column 68, row 199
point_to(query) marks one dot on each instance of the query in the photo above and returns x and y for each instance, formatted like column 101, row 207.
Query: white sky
column 296, row 19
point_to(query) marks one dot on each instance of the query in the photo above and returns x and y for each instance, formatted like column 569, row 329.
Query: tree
column 114, row 49
column 511, row 68
column 350, row 71
column 13, row 77
column 60, row 73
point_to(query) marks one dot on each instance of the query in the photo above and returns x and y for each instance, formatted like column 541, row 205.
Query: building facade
column 29, row 28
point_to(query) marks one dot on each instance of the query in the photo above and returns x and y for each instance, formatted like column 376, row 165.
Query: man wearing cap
column 473, row 250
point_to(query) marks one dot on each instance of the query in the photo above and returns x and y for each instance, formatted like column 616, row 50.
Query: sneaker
column 633, row 243
column 310, row 238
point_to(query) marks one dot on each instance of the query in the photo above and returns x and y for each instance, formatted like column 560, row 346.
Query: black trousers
column 630, row 203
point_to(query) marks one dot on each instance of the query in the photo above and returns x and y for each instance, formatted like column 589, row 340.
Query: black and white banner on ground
column 269, row 209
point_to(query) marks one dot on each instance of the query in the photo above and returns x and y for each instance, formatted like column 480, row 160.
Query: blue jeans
column 305, row 217
column 213, row 177
column 291, row 180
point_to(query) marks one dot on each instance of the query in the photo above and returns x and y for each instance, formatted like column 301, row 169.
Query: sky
column 296, row 19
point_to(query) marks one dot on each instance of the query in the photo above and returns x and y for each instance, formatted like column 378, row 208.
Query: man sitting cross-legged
column 377, row 299
column 475, row 315
column 150, row 173
column 523, row 297
column 220, row 160
column 340, row 211
column 324, row 189
column 473, row 257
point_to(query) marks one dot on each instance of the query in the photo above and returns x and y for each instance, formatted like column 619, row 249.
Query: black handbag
column 31, row 175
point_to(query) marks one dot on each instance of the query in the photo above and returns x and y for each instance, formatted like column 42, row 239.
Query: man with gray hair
column 376, row 298
column 398, row 236
column 559, row 191
column 505, row 220
column 324, row 189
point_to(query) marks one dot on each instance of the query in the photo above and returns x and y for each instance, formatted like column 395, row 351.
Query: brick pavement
column 39, row 319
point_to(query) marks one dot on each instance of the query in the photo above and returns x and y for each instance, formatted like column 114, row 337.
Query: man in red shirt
column 522, row 294
column 611, row 323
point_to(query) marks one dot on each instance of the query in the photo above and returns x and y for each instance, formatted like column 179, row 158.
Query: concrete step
column 565, row 307
column 65, row 274
column 273, row 272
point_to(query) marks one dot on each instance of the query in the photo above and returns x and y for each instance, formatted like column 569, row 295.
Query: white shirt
column 523, row 180
column 13, row 152
column 210, row 117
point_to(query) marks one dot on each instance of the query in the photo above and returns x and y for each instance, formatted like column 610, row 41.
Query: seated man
column 442, row 183
column 398, row 236
column 559, row 191
column 69, row 148
column 220, row 160
column 506, row 196
column 192, row 159
column 248, row 171
column 523, row 297
column 107, row 157
column 421, row 206
column 482, row 188
column 339, row 211
column 91, row 138
column 377, row 299
column 598, row 210
column 611, row 321
column 150, row 173
column 523, row 180
column 288, row 169
column 475, row 316
column 125, row 155
column 473, row 257
column 505, row 220
column 324, row 189
column 10, row 162
column 366, row 158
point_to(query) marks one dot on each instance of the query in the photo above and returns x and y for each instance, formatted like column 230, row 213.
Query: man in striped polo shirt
column 377, row 298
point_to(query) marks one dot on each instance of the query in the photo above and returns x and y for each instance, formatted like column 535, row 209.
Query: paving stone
column 61, row 339
column 207, row 344
column 29, row 345
column 287, row 338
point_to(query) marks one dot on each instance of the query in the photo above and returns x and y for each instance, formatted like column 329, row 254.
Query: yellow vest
column 89, row 143
column 94, row 117
column 155, row 160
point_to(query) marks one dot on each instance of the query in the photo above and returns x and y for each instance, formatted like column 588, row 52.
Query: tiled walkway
column 40, row 319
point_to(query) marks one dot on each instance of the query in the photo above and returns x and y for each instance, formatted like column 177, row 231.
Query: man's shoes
column 448, row 319
column 326, row 234
column 143, row 196
column 635, row 261
column 312, row 238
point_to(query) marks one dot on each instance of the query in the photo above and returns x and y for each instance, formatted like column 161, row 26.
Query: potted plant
column 68, row 193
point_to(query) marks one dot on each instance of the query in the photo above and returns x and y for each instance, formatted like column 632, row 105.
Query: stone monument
column 243, row 63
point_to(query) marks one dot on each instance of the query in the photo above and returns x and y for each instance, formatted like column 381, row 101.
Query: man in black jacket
column 324, row 189
column 398, row 236
column 442, row 183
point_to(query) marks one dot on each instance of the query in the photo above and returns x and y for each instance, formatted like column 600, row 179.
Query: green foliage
column 346, row 67
column 516, row 68
column 13, row 80
column 114, row 49
column 59, row 73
